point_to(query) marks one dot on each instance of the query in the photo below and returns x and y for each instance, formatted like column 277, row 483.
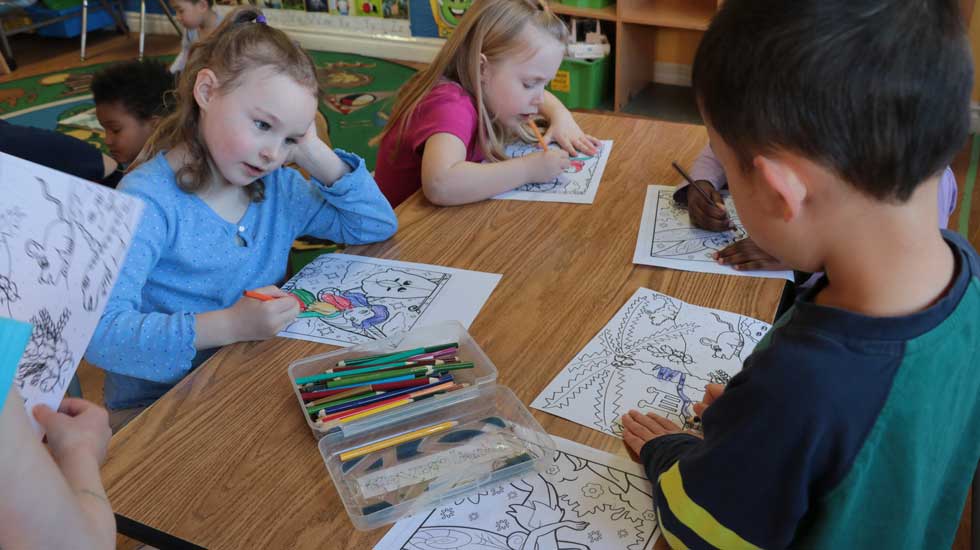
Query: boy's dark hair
column 876, row 90
column 140, row 86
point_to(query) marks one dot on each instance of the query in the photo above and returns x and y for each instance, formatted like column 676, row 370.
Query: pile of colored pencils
column 360, row 387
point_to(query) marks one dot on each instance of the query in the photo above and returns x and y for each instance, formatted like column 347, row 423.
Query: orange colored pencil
column 537, row 134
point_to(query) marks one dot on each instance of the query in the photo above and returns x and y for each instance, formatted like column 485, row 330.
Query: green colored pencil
column 426, row 369
column 394, row 356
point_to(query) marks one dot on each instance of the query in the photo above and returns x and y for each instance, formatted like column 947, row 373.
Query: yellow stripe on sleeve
column 672, row 540
column 695, row 517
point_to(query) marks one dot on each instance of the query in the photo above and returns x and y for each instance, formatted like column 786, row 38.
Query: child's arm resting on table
column 749, row 482
column 448, row 179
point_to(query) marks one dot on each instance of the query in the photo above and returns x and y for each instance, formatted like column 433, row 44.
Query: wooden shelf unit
column 637, row 23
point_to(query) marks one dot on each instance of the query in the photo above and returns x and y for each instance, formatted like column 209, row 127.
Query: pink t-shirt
column 447, row 108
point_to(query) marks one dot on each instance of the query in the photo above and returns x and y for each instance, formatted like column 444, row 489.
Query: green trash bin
column 582, row 83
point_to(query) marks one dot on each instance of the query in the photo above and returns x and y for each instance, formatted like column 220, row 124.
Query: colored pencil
column 537, row 134
column 343, row 394
column 266, row 297
column 378, row 408
column 690, row 182
column 340, row 372
column 394, row 356
column 413, row 396
column 369, row 399
column 388, row 386
column 420, row 360
column 435, row 355
column 397, row 440
column 394, row 378
column 258, row 295
column 412, row 371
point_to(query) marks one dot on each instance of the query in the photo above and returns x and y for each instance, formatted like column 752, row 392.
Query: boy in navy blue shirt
column 855, row 423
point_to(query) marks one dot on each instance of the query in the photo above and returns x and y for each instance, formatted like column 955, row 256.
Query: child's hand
column 564, row 131
column 303, row 151
column 745, row 255
column 711, row 392
column 710, row 215
column 546, row 165
column 79, row 427
column 258, row 320
column 638, row 428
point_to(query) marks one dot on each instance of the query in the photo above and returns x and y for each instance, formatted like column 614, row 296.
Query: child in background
column 51, row 495
column 709, row 175
column 199, row 20
column 221, row 212
column 479, row 93
column 60, row 152
column 855, row 422
column 129, row 103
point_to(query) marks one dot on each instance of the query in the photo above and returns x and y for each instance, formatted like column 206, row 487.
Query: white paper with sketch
column 656, row 354
column 62, row 243
column 667, row 238
column 585, row 499
column 578, row 184
column 353, row 299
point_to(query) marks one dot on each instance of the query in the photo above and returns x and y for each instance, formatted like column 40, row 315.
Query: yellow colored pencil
column 397, row 440
column 375, row 410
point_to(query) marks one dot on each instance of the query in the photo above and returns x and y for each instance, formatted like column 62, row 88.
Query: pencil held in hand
column 537, row 134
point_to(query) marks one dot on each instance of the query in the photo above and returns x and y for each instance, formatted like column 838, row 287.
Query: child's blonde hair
column 241, row 43
column 491, row 28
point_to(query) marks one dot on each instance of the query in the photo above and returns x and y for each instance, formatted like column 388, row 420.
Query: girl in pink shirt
column 484, row 86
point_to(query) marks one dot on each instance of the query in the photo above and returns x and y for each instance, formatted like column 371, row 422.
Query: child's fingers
column 566, row 145
column 634, row 422
column 712, row 392
column 633, row 441
column 699, row 408
column 664, row 424
column 272, row 290
column 43, row 414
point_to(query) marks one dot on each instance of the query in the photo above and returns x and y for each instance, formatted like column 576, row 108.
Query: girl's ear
column 205, row 88
column 484, row 68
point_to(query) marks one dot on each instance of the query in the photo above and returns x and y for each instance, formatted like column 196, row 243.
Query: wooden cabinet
column 638, row 23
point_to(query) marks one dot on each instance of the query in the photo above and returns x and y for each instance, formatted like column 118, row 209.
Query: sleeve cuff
column 669, row 445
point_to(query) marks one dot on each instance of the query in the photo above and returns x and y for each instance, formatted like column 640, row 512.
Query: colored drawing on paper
column 668, row 239
column 585, row 499
column 656, row 354
column 578, row 184
column 349, row 299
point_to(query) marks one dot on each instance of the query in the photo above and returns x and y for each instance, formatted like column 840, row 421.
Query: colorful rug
column 358, row 93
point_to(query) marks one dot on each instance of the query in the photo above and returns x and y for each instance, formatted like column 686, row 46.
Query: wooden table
column 225, row 459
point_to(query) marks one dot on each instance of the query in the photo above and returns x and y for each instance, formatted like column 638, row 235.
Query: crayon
column 537, row 134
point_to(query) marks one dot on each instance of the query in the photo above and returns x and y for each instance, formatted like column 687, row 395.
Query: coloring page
column 656, row 354
column 352, row 299
column 62, row 243
column 584, row 500
column 667, row 238
column 578, row 184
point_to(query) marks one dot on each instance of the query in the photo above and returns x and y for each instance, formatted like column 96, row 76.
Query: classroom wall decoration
column 656, row 354
column 668, row 239
column 447, row 14
column 350, row 299
column 585, row 499
column 578, row 184
column 62, row 243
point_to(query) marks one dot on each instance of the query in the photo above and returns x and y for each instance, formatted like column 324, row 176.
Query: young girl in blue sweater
column 221, row 212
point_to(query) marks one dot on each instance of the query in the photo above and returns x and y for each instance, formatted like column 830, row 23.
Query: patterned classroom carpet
column 358, row 93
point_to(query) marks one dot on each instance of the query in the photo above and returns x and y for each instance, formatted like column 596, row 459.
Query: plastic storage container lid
column 483, row 372
column 481, row 437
